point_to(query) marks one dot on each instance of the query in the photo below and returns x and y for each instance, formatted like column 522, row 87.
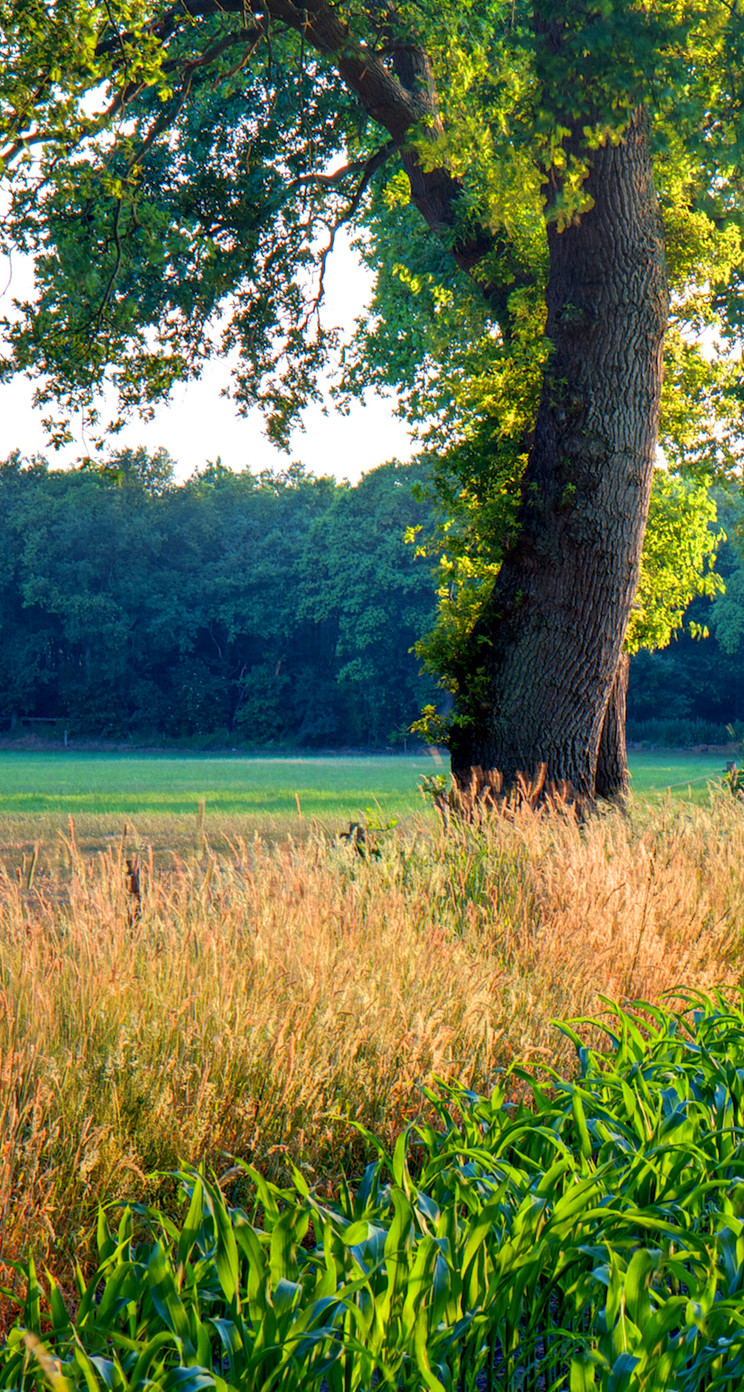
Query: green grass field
column 125, row 785
column 683, row 774
column 158, row 796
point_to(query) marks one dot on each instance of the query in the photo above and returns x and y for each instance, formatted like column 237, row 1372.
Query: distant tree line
column 234, row 608
column 691, row 690
column 269, row 609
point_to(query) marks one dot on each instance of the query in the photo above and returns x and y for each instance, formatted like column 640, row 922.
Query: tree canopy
column 180, row 172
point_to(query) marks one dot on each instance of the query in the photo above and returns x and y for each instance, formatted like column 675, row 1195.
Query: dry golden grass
column 265, row 998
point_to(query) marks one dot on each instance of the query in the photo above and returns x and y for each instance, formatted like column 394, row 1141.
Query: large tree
column 566, row 162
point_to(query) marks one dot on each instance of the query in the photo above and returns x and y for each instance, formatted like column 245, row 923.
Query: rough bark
column 545, row 653
column 612, row 781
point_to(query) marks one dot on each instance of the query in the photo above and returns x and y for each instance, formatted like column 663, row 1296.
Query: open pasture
column 111, row 785
column 679, row 773
column 175, row 802
column 161, row 797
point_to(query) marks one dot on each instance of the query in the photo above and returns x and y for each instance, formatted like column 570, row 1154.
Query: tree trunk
column 544, row 655
column 612, row 762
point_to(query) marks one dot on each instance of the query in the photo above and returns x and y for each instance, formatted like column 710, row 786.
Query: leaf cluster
column 192, row 210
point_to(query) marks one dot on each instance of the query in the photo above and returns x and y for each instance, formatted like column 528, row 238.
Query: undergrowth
column 277, row 1005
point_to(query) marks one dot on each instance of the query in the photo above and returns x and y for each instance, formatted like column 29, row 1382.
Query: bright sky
column 200, row 424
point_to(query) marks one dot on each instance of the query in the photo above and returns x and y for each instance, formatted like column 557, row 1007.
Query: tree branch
column 399, row 95
column 374, row 163
column 364, row 167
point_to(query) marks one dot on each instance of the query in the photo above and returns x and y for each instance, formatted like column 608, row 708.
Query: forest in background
column 256, row 610
column 232, row 608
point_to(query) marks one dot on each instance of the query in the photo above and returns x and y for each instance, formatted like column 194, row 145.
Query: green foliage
column 589, row 1235
column 677, row 563
column 192, row 232
column 279, row 608
column 690, row 691
column 186, row 215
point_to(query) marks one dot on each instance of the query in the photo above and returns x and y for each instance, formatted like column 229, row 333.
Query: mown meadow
column 301, row 1116
column 161, row 798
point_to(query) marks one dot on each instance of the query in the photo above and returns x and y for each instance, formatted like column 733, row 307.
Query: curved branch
column 364, row 167
column 397, row 92
column 374, row 163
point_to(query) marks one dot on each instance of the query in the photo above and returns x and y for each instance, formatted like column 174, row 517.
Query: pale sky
column 200, row 424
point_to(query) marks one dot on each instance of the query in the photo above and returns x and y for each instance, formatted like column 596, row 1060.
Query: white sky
column 200, row 424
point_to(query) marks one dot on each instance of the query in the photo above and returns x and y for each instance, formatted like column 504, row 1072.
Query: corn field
column 590, row 1236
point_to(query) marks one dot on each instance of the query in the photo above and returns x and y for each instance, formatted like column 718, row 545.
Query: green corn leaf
column 269, row 1195
column 85, row 1365
column 421, row 1351
column 105, row 1242
column 124, row 1230
column 583, row 1375
column 187, row 1380
column 299, row 1181
column 163, row 1291
column 549, row 1182
column 32, row 1304
column 286, row 1295
column 643, row 1263
column 488, row 1218
column 61, row 1323
column 124, row 1284
column 88, row 1295
column 579, row 1115
column 226, row 1250
column 283, row 1246
column 149, row 1351
column 193, row 1228
column 107, row 1371
column 256, row 1262
column 50, row 1366
column 222, row 1386
column 400, row 1163
column 662, row 1322
column 418, row 1285
column 441, row 1286
column 622, row 1371
column 395, row 1246
column 201, row 1334
column 366, row 1192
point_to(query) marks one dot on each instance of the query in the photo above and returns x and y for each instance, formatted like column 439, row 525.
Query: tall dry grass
column 265, row 999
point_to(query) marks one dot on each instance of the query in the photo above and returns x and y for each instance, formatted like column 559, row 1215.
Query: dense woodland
column 273, row 609
column 249, row 609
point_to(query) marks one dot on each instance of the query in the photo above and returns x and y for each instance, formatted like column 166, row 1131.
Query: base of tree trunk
column 612, row 781
column 478, row 791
